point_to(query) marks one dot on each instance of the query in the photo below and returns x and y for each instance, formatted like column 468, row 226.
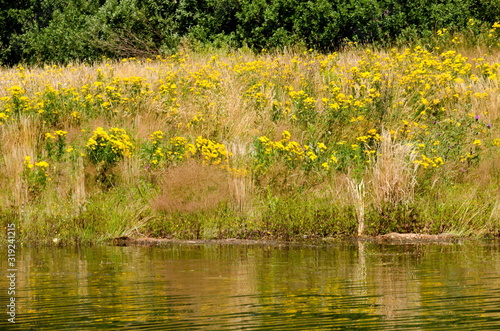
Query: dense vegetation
column 61, row 31
column 237, row 119
column 250, row 146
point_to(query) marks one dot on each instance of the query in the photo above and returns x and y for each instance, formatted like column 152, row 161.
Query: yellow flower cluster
column 55, row 143
column 212, row 152
column 156, row 136
column 35, row 175
column 435, row 100
column 294, row 153
column 426, row 162
column 371, row 136
column 109, row 147
column 56, row 134
column 180, row 149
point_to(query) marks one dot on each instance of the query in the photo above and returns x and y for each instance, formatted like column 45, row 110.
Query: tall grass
column 233, row 144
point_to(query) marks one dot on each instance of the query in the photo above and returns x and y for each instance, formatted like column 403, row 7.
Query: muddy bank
column 391, row 238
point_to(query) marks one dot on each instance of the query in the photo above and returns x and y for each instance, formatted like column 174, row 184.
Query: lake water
column 336, row 286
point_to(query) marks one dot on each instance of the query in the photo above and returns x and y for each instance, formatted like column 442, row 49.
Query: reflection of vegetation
column 219, row 286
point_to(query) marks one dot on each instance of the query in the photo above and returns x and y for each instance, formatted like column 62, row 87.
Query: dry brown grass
column 79, row 193
column 241, row 184
column 357, row 190
column 192, row 187
column 394, row 175
column 17, row 143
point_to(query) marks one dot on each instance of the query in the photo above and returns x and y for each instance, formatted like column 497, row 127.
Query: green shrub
column 64, row 31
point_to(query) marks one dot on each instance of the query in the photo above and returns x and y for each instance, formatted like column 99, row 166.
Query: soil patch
column 416, row 238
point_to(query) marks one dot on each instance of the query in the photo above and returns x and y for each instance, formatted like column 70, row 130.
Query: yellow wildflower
column 27, row 162
column 42, row 164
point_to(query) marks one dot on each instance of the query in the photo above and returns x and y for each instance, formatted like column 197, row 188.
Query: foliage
column 65, row 31
column 272, row 144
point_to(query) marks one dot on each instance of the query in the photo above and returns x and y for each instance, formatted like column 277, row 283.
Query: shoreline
column 391, row 238
column 385, row 239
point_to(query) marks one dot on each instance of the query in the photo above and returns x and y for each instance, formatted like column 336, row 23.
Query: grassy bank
column 233, row 144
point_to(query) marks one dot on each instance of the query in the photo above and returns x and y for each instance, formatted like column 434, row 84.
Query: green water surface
column 338, row 286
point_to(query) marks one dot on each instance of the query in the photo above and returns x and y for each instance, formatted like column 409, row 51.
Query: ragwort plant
column 35, row 176
column 106, row 148
column 55, row 144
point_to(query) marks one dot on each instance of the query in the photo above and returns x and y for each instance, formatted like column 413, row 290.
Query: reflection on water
column 258, row 287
